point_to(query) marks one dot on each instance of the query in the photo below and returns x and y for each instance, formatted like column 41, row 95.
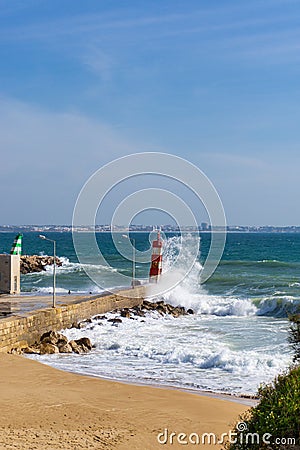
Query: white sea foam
column 68, row 267
column 190, row 352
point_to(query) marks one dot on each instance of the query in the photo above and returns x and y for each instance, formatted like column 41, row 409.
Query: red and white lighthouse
column 156, row 259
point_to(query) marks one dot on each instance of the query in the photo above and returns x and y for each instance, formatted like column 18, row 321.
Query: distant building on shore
column 10, row 268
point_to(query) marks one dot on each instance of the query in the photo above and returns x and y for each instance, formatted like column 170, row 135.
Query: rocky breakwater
column 54, row 342
column 159, row 307
column 36, row 263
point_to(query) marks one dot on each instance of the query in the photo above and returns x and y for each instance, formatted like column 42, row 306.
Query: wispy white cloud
column 238, row 24
column 212, row 19
column 239, row 32
column 103, row 43
column 85, row 24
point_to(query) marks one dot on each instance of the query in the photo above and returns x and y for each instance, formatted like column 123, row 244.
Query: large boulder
column 100, row 317
column 178, row 311
column 84, row 343
column 161, row 308
column 31, row 350
column 125, row 313
column 75, row 347
column 65, row 348
column 169, row 308
column 53, row 337
column 115, row 320
column 48, row 349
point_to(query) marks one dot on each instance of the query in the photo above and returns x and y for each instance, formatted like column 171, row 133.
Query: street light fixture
column 133, row 258
column 41, row 236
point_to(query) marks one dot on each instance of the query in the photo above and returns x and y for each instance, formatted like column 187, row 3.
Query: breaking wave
column 190, row 294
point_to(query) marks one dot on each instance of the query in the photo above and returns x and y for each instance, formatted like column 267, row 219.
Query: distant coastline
column 203, row 228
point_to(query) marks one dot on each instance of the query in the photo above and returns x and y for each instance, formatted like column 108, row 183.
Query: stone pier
column 25, row 326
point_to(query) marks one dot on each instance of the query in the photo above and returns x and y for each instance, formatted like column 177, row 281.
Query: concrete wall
column 16, row 332
column 10, row 274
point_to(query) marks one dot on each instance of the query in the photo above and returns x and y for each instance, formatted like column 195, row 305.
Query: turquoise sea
column 236, row 340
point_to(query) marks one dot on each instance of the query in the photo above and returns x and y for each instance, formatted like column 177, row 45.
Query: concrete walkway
column 22, row 304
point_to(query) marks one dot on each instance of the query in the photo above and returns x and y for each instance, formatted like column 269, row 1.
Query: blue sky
column 215, row 82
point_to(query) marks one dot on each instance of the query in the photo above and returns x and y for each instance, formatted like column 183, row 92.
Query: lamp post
column 41, row 236
column 133, row 258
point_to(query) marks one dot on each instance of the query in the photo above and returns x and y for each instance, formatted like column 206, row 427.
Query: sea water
column 235, row 341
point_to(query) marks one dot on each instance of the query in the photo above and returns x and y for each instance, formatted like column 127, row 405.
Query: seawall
column 19, row 331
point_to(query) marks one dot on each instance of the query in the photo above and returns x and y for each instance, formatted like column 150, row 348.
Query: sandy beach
column 44, row 408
